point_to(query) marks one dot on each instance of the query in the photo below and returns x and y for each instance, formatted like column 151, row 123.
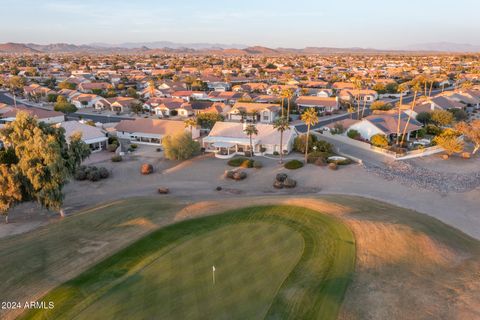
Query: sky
column 274, row 23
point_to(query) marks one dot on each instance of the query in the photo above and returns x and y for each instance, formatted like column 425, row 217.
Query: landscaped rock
column 290, row 183
column 239, row 175
column 332, row 166
column 278, row 184
column 146, row 168
column 218, row 188
column 281, row 177
column 163, row 190
column 229, row 174
column 466, row 155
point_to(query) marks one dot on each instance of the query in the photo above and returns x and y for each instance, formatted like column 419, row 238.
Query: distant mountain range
column 217, row 48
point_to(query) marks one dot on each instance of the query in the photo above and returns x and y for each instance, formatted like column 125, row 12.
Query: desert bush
column 433, row 130
column 112, row 147
column 104, row 173
column 241, row 162
column 80, row 175
column 93, row 174
column 314, row 156
column 322, row 146
column 116, row 158
column 293, row 164
column 257, row 164
column 146, row 168
column 379, row 140
column 134, row 146
column 239, row 175
column 180, row 146
column 353, row 134
column 299, row 143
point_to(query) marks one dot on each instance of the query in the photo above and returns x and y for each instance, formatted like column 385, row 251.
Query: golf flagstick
column 213, row 274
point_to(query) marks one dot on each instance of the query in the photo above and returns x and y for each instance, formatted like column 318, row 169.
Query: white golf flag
column 213, row 274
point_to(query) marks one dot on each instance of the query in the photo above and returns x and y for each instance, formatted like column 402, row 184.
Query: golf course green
column 280, row 262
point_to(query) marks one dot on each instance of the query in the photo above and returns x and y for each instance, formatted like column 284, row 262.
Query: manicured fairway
column 271, row 262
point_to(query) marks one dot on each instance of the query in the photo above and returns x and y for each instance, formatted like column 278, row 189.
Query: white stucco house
column 227, row 139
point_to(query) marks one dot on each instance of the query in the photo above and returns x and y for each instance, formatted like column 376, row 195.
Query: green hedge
column 293, row 164
column 241, row 162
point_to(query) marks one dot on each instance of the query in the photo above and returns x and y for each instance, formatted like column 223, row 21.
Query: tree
column 449, row 141
column 459, row 114
column 42, row 164
column 287, row 94
column 442, row 117
column 208, row 119
column 136, row 107
column 424, row 117
column 310, row 118
column 251, row 130
column 401, row 89
column 131, row 92
column 180, row 146
column 62, row 105
column 190, row 123
column 67, row 85
column 416, row 88
column 472, row 132
column 381, row 105
column 281, row 125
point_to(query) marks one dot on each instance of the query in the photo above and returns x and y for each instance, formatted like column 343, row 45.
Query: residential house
column 89, row 87
column 85, row 100
column 227, row 139
column 9, row 114
column 362, row 96
column 94, row 137
column 322, row 105
column 151, row 131
column 229, row 97
column 254, row 112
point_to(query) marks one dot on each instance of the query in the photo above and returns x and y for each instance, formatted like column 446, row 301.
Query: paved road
column 367, row 157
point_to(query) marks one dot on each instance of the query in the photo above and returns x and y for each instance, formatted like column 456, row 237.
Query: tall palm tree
column 358, row 86
column 416, row 88
column 251, row 130
column 190, row 123
column 310, row 117
column 281, row 124
column 401, row 89
column 288, row 94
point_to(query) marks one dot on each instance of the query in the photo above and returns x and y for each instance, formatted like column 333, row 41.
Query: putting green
column 270, row 262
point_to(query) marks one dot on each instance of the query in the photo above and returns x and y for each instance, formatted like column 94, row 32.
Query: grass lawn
column 278, row 262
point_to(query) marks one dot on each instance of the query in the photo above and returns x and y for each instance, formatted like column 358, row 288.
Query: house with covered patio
column 227, row 139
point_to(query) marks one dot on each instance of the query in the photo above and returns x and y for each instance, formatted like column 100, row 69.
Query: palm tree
column 401, row 89
column 190, row 123
column 416, row 88
column 310, row 117
column 251, row 130
column 358, row 86
column 281, row 124
column 287, row 94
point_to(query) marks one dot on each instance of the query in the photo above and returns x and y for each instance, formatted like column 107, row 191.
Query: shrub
column 112, row 147
column 275, row 153
column 159, row 149
column 113, row 140
column 116, row 158
column 442, row 117
column 379, row 140
column 337, row 128
column 314, row 156
column 433, row 130
column 299, row 143
column 239, row 175
column 104, row 173
column 323, row 146
column 424, row 117
column 342, row 162
column 180, row 146
column 146, row 168
column 241, row 162
column 293, row 164
column 134, row 146
column 353, row 134
column 257, row 164
column 281, row 177
column 80, row 175
column 93, row 174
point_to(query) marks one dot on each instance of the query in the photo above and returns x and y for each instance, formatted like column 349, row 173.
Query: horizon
column 268, row 24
